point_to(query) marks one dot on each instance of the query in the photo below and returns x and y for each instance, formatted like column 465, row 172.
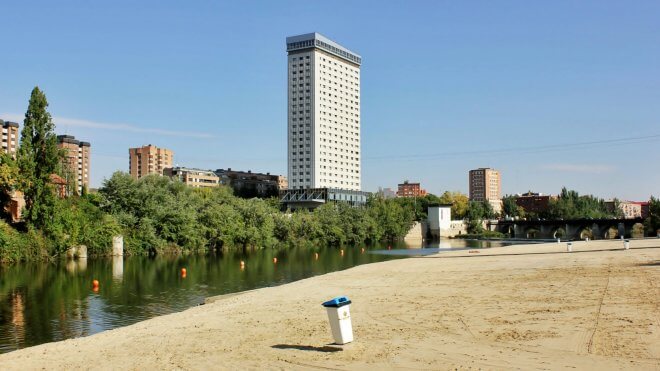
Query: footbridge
column 577, row 229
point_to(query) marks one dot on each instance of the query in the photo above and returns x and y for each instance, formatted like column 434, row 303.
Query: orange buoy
column 363, row 250
column 242, row 264
column 341, row 252
column 274, row 260
column 316, row 256
column 183, row 272
column 95, row 285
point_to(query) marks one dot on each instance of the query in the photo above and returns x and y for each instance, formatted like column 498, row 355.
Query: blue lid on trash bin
column 337, row 302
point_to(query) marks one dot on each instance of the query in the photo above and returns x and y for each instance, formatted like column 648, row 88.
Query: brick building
column 486, row 185
column 149, row 159
column 534, row 202
column 407, row 189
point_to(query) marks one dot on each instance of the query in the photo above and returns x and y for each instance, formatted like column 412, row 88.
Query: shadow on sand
column 324, row 349
column 649, row 264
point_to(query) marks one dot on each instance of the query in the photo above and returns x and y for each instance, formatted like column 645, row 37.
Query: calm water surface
column 44, row 302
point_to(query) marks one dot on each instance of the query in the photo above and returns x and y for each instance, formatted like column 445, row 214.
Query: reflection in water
column 118, row 267
column 77, row 265
column 18, row 317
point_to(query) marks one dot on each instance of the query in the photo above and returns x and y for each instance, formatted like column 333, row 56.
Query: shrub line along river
column 45, row 302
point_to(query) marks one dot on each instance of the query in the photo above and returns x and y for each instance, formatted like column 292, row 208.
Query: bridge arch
column 558, row 232
column 509, row 230
column 637, row 230
column 584, row 232
column 610, row 232
column 533, row 231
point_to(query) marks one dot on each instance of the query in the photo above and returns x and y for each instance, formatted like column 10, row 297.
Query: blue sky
column 549, row 93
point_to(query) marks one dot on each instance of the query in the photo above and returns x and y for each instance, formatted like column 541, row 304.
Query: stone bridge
column 577, row 229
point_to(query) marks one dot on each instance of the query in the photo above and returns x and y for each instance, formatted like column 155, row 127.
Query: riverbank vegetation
column 157, row 214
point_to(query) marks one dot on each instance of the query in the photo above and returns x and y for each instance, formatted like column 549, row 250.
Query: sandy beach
column 516, row 307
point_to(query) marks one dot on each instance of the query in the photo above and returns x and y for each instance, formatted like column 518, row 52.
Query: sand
column 522, row 307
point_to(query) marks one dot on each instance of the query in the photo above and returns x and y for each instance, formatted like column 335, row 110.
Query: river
column 45, row 302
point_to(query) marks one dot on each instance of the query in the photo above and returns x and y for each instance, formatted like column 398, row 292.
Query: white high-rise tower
column 323, row 114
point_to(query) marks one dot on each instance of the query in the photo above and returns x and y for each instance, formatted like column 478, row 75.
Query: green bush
column 156, row 214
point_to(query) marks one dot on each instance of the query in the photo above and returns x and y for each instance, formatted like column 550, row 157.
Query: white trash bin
column 569, row 247
column 339, row 315
column 626, row 244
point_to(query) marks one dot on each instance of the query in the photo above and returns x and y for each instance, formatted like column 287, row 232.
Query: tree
column 38, row 158
column 652, row 221
column 392, row 220
column 570, row 205
column 474, row 216
column 330, row 221
column 489, row 213
column 8, row 181
column 458, row 201
column 617, row 211
column 509, row 206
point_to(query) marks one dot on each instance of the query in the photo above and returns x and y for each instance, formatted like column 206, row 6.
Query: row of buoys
column 96, row 284
column 184, row 271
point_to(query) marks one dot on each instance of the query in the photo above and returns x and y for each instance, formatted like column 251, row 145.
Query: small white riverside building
column 439, row 217
column 440, row 223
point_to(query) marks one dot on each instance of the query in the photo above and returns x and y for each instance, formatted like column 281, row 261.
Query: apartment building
column 629, row 209
column 485, row 185
column 76, row 160
column 324, row 146
column 534, row 203
column 407, row 189
column 195, row 178
column 9, row 137
column 249, row 184
column 149, row 159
